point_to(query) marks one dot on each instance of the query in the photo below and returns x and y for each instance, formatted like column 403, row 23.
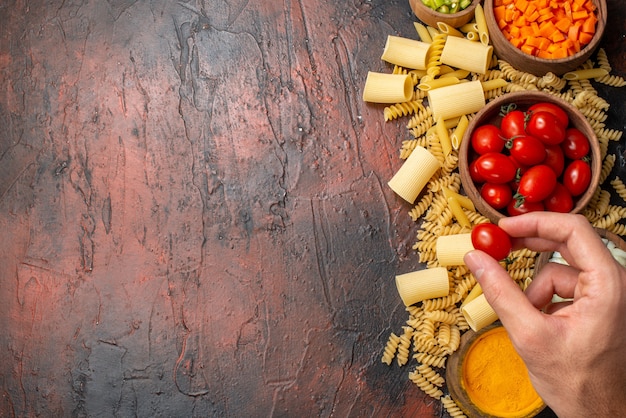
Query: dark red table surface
column 194, row 210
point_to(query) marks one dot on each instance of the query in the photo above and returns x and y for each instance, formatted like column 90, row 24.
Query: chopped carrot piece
column 563, row 24
column 589, row 25
column 585, row 38
column 499, row 13
column 521, row 5
column 573, row 31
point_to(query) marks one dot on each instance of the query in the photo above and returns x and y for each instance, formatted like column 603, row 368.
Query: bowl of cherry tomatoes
column 529, row 151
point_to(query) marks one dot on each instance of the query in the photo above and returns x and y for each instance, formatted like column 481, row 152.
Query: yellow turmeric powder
column 496, row 379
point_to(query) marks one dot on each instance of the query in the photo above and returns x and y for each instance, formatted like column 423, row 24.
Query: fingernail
column 473, row 261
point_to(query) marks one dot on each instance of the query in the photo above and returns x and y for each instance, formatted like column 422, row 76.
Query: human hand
column 575, row 351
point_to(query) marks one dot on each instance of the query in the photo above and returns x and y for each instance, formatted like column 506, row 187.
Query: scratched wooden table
column 194, row 211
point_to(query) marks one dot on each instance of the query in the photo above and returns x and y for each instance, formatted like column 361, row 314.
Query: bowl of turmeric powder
column 540, row 36
column 487, row 378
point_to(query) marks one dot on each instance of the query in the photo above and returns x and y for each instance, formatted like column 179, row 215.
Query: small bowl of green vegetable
column 455, row 13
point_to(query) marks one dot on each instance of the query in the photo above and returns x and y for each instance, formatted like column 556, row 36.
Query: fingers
column 571, row 235
column 552, row 279
column 503, row 294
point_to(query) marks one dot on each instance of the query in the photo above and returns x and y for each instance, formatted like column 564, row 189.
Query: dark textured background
column 194, row 213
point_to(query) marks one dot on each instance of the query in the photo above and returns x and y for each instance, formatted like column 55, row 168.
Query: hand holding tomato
column 548, row 336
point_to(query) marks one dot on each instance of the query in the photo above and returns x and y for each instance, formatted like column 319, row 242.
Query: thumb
column 503, row 294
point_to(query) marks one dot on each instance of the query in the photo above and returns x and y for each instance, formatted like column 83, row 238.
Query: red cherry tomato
column 536, row 184
column 496, row 195
column 487, row 138
column 527, row 150
column 495, row 167
column 513, row 209
column 513, row 124
column 474, row 174
column 491, row 239
column 555, row 159
column 555, row 109
column 560, row 200
column 546, row 127
column 575, row 145
column 577, row 177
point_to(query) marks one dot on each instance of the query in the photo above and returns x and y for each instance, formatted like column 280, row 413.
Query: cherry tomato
column 555, row 159
column 474, row 174
column 575, row 145
column 556, row 110
column 546, row 127
column 560, row 200
column 577, row 177
column 513, row 209
column 491, row 239
column 527, row 150
column 495, row 167
column 496, row 195
column 513, row 124
column 487, row 138
column 536, row 184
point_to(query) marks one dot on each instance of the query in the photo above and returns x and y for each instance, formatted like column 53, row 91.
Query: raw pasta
column 457, row 100
column 405, row 52
column 465, row 54
column 390, row 349
column 387, row 88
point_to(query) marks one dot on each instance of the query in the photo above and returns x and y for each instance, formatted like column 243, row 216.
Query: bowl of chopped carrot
column 454, row 13
column 541, row 36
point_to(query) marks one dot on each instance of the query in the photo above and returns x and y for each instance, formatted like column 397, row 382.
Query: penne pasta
column 459, row 131
column 407, row 53
column 469, row 27
column 496, row 83
column 478, row 313
column 457, row 100
column 463, row 200
column 472, row 36
column 467, row 55
column 432, row 31
column 460, row 74
column 476, row 291
column 423, row 284
column 585, row 74
column 431, row 84
column 458, row 213
column 452, row 248
column 387, row 88
column 449, row 30
column 481, row 24
column 444, row 139
column 414, row 174
column 422, row 32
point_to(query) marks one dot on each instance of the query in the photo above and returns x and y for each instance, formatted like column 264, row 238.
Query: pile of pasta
column 434, row 326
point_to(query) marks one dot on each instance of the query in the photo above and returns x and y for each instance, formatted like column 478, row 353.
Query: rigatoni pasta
column 479, row 313
column 405, row 52
column 468, row 55
column 457, row 100
column 423, row 284
column 387, row 88
column 416, row 171
column 452, row 248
